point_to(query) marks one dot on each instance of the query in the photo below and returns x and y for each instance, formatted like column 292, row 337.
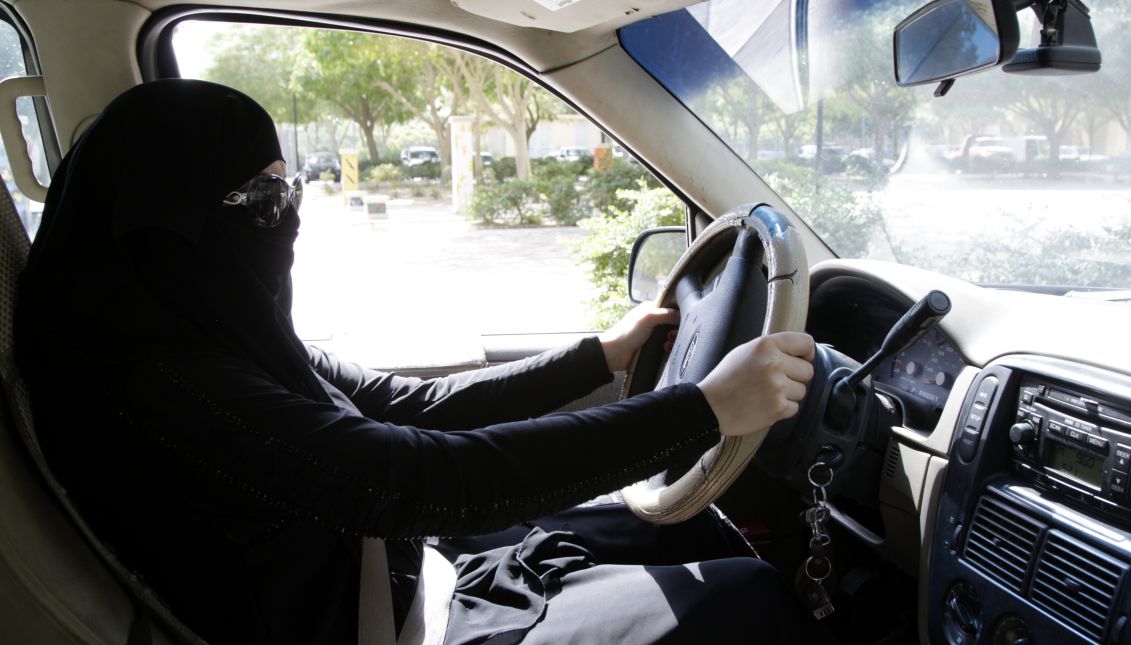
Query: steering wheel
column 762, row 288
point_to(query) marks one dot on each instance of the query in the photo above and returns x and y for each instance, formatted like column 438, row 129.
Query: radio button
column 1079, row 436
column 1122, row 458
column 986, row 391
column 977, row 416
column 1099, row 443
column 968, row 444
column 1117, row 485
column 1055, row 428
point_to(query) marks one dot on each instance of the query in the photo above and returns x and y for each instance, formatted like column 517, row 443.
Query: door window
column 448, row 197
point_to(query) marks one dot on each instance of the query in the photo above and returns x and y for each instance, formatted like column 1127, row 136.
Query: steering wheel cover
column 787, row 306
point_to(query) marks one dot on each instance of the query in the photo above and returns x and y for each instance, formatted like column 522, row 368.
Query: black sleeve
column 518, row 390
column 223, row 419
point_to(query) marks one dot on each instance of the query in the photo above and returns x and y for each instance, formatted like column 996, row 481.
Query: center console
column 1032, row 543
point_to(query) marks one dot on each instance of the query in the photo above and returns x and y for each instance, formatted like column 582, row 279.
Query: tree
column 742, row 107
column 424, row 78
column 886, row 105
column 345, row 69
column 506, row 98
column 1111, row 86
column 788, row 127
column 1047, row 102
column 260, row 60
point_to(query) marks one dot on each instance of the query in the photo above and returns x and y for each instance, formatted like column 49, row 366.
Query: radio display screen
column 1077, row 464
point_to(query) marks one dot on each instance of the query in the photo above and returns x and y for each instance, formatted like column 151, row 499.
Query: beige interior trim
column 12, row 132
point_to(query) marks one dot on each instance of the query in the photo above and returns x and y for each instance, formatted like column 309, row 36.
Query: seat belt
column 427, row 619
column 375, row 600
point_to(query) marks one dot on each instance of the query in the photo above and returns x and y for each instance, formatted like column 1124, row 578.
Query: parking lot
column 421, row 285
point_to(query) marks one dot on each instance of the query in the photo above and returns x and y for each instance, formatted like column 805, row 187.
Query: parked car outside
column 416, row 155
column 573, row 153
column 318, row 163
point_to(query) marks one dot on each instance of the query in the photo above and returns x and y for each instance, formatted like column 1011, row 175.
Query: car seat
column 58, row 583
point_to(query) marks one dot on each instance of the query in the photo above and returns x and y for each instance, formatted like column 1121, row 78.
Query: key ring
column 820, row 562
column 820, row 471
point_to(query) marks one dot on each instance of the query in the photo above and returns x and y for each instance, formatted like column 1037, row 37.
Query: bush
column 561, row 199
column 384, row 173
column 549, row 168
column 1025, row 254
column 603, row 186
column 504, row 168
column 426, row 170
column 846, row 221
column 511, row 202
column 609, row 244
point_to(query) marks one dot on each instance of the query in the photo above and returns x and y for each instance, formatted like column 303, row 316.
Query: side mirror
column 654, row 255
column 950, row 38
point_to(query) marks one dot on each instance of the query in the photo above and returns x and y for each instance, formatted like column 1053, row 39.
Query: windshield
column 1008, row 179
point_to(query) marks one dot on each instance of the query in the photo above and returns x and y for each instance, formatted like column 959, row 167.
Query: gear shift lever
column 922, row 316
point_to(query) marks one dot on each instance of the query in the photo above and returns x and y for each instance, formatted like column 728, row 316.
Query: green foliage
column 384, row 173
column 426, row 170
column 260, row 60
column 605, row 186
column 509, row 202
column 562, row 200
column 550, row 168
column 353, row 71
column 504, row 168
column 848, row 223
column 1022, row 254
column 609, row 244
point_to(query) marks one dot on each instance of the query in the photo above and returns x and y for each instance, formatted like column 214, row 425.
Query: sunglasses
column 266, row 198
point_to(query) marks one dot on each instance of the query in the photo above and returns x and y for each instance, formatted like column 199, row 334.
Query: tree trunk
column 477, row 147
column 753, row 131
column 370, row 140
column 521, row 150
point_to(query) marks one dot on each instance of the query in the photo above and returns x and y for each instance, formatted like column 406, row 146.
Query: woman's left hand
column 622, row 340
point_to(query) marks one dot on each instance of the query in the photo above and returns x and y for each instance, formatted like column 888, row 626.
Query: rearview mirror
column 950, row 38
column 654, row 255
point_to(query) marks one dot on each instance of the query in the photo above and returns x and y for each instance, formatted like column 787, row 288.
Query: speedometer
column 926, row 371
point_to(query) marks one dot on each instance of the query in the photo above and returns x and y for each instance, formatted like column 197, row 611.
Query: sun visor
column 568, row 16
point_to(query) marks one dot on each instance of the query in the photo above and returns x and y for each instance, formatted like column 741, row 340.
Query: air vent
column 1001, row 541
column 1077, row 583
column 891, row 460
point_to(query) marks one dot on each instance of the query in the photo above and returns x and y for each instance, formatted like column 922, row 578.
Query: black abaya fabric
column 230, row 465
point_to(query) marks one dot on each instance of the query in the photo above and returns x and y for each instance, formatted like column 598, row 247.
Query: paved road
column 423, row 284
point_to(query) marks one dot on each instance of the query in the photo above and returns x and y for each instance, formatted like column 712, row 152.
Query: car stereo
column 1068, row 442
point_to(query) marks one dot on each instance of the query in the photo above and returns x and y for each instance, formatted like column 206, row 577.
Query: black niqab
column 137, row 254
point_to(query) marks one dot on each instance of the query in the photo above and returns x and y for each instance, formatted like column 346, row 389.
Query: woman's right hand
column 760, row 382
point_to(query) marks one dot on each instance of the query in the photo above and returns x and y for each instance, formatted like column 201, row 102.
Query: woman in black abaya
column 237, row 469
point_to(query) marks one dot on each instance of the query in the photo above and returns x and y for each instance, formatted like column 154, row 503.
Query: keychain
column 817, row 567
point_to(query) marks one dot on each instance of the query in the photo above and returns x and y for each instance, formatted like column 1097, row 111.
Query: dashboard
column 853, row 315
column 1004, row 487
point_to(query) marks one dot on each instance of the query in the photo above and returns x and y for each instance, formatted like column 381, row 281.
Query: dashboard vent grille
column 1077, row 583
column 891, row 460
column 1002, row 541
